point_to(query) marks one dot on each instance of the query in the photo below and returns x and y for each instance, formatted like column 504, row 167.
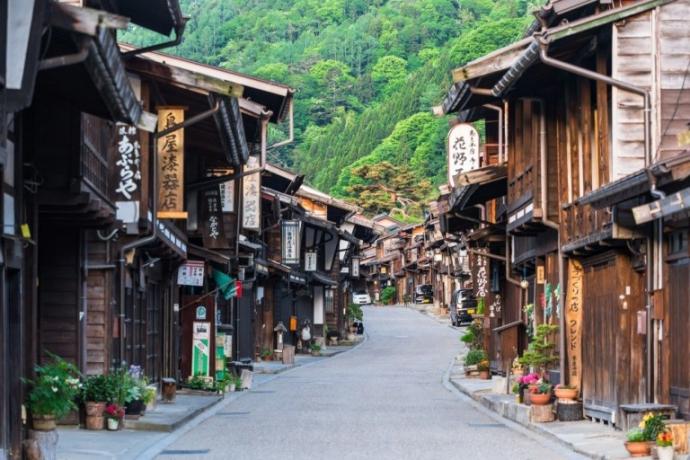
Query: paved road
column 383, row 400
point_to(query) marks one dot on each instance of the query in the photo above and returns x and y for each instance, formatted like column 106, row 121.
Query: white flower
column 54, row 389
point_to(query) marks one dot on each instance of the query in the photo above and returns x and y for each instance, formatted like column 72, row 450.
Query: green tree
column 389, row 73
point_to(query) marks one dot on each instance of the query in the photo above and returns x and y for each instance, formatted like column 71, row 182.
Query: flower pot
column 665, row 453
column 638, row 449
column 485, row 375
column 540, row 399
column 566, row 393
column 113, row 424
column 135, row 408
column 526, row 397
column 316, row 353
column 94, row 408
column 44, row 422
column 168, row 390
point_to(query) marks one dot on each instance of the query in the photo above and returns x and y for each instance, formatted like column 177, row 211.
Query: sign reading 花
column 171, row 165
column 482, row 278
column 463, row 150
column 355, row 267
column 251, row 196
column 191, row 273
column 573, row 321
column 310, row 261
column 213, row 233
column 291, row 242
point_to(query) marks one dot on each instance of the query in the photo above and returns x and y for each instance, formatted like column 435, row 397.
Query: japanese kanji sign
column 127, row 173
column 463, row 150
column 251, row 197
column 355, row 267
column 310, row 261
column 171, row 165
column 191, row 273
column 291, row 242
column 227, row 189
column 573, row 321
column 213, row 232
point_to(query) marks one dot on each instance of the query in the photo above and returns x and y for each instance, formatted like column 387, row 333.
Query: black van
column 463, row 304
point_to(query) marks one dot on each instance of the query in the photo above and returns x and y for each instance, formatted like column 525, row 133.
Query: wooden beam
column 497, row 61
column 84, row 20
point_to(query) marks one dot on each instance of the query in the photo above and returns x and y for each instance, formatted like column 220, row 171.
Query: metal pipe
column 589, row 74
column 65, row 60
column 179, row 31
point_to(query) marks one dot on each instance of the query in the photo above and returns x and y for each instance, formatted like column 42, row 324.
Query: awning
column 278, row 267
column 171, row 240
column 296, row 277
column 480, row 185
column 318, row 277
column 261, row 265
column 87, row 70
column 207, row 254
column 665, row 207
column 249, row 245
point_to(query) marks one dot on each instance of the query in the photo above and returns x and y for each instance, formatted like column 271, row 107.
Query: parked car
column 463, row 304
column 361, row 298
column 424, row 293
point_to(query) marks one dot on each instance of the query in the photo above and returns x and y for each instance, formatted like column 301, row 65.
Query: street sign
column 191, row 273
column 201, row 349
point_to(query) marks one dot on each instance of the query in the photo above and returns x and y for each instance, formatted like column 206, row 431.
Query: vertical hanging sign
column 573, row 320
column 251, row 196
column 213, row 233
column 463, row 150
column 171, row 165
column 355, row 267
column 129, row 158
column 310, row 261
column 291, row 242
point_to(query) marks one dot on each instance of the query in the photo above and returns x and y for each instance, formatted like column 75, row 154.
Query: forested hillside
column 367, row 75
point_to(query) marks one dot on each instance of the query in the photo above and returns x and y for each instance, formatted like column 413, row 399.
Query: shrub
column 55, row 388
column 388, row 295
column 473, row 336
column 635, row 435
column 474, row 357
column 354, row 312
column 540, row 352
column 96, row 389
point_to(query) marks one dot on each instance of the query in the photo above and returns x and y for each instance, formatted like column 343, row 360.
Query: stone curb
column 519, row 414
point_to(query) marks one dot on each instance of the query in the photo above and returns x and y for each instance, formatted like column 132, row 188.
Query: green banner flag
column 226, row 284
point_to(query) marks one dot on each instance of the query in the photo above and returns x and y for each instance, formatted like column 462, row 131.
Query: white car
column 361, row 298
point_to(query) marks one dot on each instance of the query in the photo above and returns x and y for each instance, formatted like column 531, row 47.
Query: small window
column 678, row 242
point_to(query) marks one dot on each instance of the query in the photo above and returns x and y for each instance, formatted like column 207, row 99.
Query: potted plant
column 238, row 383
column 636, row 444
column 95, row 394
column 150, row 394
column 315, row 349
column 472, row 360
column 484, row 370
column 52, row 393
column 540, row 352
column 114, row 413
column 566, row 392
column 664, row 445
column 541, row 394
column 527, row 383
column 652, row 425
column 266, row 354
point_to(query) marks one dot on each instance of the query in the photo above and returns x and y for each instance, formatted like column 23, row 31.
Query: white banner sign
column 463, row 150
column 191, row 273
column 291, row 242
column 310, row 261
column 355, row 267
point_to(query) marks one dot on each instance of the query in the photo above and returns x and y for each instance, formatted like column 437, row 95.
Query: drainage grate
column 486, row 425
column 232, row 413
column 261, row 391
column 186, row 452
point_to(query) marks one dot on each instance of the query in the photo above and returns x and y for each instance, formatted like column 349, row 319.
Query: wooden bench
column 633, row 413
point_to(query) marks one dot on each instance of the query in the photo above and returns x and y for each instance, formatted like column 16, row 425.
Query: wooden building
column 585, row 101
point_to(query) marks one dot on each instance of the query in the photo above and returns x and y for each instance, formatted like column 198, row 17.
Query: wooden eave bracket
column 86, row 21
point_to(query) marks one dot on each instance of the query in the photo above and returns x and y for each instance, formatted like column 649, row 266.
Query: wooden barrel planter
column 569, row 411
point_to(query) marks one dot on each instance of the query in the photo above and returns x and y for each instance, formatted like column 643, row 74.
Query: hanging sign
column 482, row 277
column 212, row 230
column 355, row 267
column 463, row 150
column 310, row 261
column 127, row 173
column 171, row 165
column 191, row 273
column 573, row 318
column 291, row 242
column 251, row 196
column 227, row 189
column 201, row 349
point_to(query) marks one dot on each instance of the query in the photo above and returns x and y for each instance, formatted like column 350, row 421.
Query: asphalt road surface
column 385, row 399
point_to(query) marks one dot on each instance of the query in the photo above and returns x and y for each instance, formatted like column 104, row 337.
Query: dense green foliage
column 388, row 295
column 367, row 71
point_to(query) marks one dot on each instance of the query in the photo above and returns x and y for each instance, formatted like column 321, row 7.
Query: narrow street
column 384, row 399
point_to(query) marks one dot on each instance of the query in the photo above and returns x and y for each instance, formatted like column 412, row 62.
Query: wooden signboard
column 251, row 197
column 127, row 170
column 463, row 150
column 212, row 230
column 573, row 320
column 171, row 165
